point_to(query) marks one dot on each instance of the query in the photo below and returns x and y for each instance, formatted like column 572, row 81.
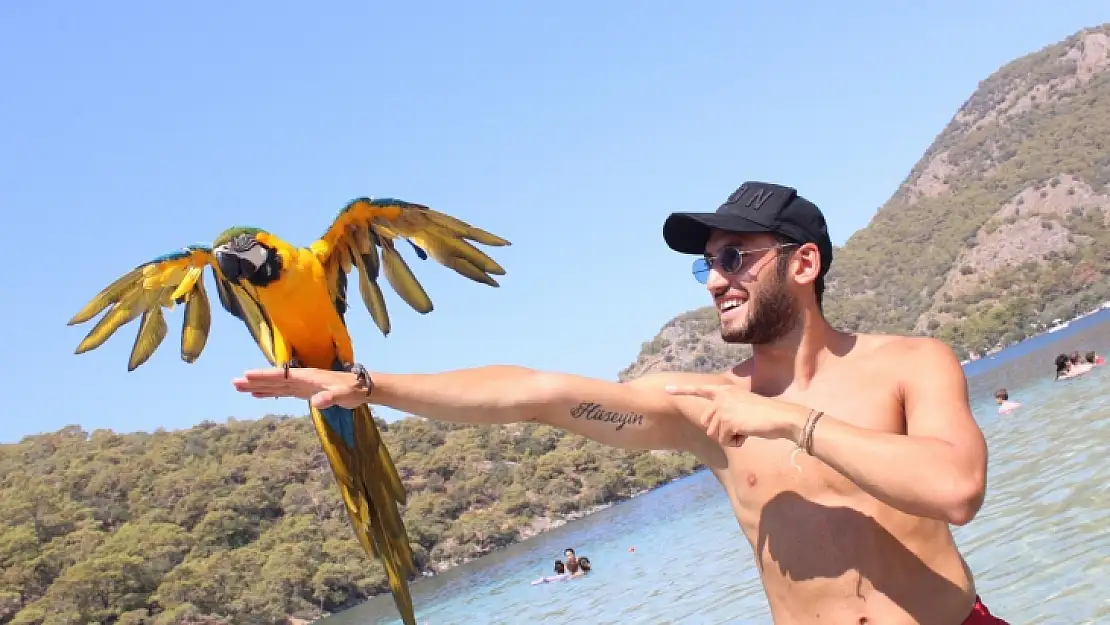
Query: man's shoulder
column 919, row 365
column 902, row 346
column 908, row 361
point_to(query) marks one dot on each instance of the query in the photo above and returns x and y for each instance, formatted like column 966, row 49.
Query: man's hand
column 734, row 414
column 321, row 387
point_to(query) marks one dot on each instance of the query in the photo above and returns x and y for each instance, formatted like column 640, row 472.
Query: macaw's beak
column 235, row 266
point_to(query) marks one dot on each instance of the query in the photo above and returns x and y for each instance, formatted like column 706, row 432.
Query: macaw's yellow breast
column 301, row 309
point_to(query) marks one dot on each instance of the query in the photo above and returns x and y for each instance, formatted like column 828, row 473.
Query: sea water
column 1039, row 548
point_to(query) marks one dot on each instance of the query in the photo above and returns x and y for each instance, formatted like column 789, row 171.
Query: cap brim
column 688, row 233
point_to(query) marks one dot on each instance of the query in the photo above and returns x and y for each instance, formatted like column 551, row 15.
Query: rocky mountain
column 999, row 229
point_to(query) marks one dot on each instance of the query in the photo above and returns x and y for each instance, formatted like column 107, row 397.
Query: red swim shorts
column 980, row 615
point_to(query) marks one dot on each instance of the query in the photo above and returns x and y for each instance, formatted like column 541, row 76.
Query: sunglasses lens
column 731, row 259
column 701, row 270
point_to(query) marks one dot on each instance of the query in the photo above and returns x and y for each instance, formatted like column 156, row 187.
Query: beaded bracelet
column 805, row 442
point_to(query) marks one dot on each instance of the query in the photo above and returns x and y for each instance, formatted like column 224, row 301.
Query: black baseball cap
column 755, row 207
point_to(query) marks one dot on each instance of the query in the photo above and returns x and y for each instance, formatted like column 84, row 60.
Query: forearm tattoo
column 591, row 411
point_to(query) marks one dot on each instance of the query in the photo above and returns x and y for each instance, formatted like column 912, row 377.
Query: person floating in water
column 560, row 574
column 1002, row 397
column 573, row 568
column 1095, row 359
column 1068, row 367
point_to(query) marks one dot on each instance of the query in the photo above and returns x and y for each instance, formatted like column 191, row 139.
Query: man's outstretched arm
column 636, row 415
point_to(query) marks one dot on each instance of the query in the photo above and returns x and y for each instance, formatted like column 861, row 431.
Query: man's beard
column 773, row 315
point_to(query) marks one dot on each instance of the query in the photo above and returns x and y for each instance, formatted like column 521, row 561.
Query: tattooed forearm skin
column 591, row 411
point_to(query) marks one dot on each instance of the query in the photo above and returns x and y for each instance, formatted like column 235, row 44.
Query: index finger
column 257, row 378
column 273, row 373
column 706, row 392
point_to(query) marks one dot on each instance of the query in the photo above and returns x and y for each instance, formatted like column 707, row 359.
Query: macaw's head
column 243, row 255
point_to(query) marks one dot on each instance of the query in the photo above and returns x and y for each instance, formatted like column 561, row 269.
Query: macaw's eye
column 242, row 243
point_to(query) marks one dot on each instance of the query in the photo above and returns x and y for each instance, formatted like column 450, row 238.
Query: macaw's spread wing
column 176, row 278
column 144, row 291
column 366, row 226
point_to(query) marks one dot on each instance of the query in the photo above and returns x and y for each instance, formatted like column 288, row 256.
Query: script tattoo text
column 594, row 412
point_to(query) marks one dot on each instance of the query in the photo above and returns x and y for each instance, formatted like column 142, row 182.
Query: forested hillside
column 241, row 522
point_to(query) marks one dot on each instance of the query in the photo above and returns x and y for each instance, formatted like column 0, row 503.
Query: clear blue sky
column 133, row 128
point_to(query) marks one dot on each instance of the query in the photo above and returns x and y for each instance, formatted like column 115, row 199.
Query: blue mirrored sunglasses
column 731, row 259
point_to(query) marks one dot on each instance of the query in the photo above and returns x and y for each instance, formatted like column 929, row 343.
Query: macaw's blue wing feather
column 419, row 250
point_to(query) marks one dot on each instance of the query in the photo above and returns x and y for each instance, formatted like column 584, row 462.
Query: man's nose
column 716, row 282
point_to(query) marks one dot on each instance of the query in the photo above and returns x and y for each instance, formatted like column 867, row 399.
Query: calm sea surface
column 1040, row 547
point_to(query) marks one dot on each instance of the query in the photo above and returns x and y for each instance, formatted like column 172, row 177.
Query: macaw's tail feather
column 372, row 491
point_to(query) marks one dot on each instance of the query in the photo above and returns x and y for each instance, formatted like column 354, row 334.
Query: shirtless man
column 845, row 456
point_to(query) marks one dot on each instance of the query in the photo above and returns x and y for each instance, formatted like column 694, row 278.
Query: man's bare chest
column 759, row 471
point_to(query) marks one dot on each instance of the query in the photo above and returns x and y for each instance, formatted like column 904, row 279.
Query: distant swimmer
column 1079, row 363
column 1095, row 359
column 1002, row 396
column 1070, row 367
column 1062, row 365
column 576, row 567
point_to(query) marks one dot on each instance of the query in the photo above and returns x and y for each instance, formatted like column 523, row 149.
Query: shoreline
column 1045, row 330
column 538, row 527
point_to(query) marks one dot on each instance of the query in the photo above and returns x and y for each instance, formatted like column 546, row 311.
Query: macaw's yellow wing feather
column 372, row 490
column 403, row 281
column 144, row 291
column 240, row 301
column 198, row 321
column 152, row 330
column 368, row 269
column 363, row 235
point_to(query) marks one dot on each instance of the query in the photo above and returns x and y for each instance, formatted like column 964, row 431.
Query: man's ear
column 807, row 263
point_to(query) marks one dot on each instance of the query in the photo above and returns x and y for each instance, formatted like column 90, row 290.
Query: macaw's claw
column 291, row 364
column 363, row 376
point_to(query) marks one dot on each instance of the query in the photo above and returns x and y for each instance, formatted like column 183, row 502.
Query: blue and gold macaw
column 293, row 301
